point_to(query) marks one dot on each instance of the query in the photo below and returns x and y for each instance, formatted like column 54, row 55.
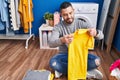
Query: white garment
column 116, row 72
column 13, row 15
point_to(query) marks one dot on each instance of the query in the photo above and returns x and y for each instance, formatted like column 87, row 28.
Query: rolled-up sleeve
column 100, row 35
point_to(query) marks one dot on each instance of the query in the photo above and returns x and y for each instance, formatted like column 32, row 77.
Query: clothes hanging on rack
column 18, row 10
column 9, row 17
column 4, row 20
column 24, row 14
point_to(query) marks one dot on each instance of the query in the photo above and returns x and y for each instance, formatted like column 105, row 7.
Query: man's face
column 68, row 14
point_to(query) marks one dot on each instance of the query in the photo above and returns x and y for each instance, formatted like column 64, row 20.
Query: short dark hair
column 65, row 5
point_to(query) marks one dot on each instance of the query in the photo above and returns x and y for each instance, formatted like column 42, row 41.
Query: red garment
column 116, row 64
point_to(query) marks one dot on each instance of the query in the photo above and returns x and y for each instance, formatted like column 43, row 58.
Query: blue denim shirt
column 4, row 20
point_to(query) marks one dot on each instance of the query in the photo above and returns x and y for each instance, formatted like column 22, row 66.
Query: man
column 61, row 36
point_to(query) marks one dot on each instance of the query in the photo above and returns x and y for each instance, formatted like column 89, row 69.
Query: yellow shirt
column 78, row 54
column 24, row 14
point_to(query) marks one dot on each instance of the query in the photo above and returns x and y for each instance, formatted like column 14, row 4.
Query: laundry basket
column 112, row 78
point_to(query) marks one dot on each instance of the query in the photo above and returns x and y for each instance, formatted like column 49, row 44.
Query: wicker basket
column 112, row 78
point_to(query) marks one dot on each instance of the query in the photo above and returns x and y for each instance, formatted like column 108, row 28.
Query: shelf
column 44, row 28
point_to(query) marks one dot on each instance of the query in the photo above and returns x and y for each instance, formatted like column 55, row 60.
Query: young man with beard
column 61, row 37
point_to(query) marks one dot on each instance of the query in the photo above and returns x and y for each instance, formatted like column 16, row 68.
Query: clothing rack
column 10, row 34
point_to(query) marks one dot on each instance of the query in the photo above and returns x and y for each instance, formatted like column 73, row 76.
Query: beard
column 69, row 20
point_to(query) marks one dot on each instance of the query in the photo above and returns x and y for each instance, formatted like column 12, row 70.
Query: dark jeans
column 59, row 62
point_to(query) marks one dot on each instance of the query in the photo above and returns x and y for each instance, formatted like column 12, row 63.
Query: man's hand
column 92, row 32
column 67, row 39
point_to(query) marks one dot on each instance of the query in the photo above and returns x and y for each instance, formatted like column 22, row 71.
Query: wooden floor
column 15, row 60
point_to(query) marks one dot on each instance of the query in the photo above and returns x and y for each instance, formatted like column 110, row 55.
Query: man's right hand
column 67, row 39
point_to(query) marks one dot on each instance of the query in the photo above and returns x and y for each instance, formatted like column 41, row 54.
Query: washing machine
column 86, row 11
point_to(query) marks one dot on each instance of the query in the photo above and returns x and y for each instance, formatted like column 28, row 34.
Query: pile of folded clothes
column 115, row 70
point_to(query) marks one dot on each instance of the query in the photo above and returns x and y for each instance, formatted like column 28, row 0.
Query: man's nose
column 69, row 15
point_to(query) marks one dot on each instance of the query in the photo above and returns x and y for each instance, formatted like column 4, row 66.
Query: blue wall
column 116, row 40
column 42, row 6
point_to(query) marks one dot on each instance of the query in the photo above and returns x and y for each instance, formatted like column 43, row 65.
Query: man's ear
column 73, row 9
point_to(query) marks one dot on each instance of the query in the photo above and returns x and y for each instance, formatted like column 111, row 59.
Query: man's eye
column 65, row 14
column 71, row 13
